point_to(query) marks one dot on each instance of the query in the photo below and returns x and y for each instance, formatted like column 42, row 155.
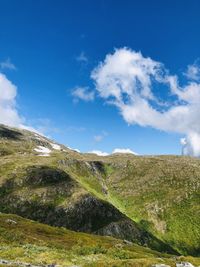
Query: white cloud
column 193, row 72
column 116, row 150
column 99, row 153
column 8, row 111
column 7, row 64
column 100, row 137
column 125, row 72
column 191, row 145
column 82, row 57
column 83, row 93
column 132, row 83
column 124, row 151
column 9, row 114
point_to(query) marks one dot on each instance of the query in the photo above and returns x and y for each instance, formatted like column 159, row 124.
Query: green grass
column 28, row 241
column 160, row 193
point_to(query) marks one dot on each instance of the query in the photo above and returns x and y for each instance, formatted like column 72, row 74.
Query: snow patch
column 55, row 146
column 44, row 151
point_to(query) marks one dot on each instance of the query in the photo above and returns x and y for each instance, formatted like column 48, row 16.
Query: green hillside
column 161, row 194
column 151, row 201
column 25, row 241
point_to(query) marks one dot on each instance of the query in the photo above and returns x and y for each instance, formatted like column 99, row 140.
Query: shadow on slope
column 9, row 134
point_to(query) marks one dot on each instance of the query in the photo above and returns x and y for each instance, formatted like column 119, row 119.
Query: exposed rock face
column 125, row 229
column 89, row 214
column 44, row 175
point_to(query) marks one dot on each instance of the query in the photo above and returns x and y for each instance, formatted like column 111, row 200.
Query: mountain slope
column 153, row 201
column 24, row 241
column 162, row 194
column 39, row 187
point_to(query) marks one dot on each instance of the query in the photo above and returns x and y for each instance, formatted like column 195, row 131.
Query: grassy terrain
column 32, row 242
column 159, row 194
column 162, row 194
column 53, row 190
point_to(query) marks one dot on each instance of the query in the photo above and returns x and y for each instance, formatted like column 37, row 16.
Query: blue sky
column 48, row 49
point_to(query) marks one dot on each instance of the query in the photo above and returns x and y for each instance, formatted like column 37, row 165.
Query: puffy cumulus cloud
column 124, row 151
column 8, row 111
column 9, row 114
column 83, row 93
column 123, row 73
column 130, row 81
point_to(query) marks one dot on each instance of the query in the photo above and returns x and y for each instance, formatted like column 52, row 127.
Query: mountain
column 152, row 201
